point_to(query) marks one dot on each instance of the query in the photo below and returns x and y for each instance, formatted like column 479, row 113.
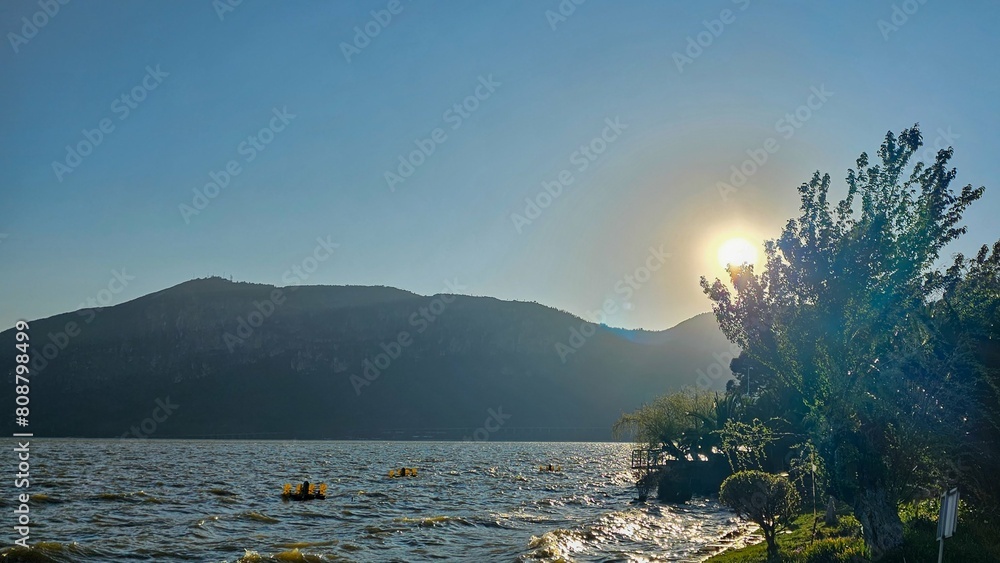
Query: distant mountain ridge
column 214, row 358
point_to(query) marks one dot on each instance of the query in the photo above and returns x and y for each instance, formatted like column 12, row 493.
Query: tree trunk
column 881, row 526
column 770, row 536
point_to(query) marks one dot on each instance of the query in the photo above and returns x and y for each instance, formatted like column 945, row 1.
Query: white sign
column 948, row 517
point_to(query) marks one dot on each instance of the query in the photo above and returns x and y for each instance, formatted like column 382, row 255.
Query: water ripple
column 118, row 500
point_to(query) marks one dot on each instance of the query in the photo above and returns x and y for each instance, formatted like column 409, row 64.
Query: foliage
column 842, row 320
column 796, row 544
column 807, row 470
column 976, row 541
column 683, row 424
column 968, row 318
column 745, row 444
column 834, row 550
column 768, row 500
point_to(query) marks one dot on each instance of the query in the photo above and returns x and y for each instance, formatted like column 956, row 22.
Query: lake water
column 134, row 500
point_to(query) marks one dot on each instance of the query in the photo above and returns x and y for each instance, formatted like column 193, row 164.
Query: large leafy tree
column 967, row 317
column 840, row 319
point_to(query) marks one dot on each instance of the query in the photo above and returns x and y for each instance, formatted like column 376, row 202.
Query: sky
column 559, row 152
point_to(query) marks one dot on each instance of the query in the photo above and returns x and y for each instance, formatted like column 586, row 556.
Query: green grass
column 976, row 540
column 832, row 543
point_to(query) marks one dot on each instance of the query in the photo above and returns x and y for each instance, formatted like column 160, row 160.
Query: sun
column 737, row 251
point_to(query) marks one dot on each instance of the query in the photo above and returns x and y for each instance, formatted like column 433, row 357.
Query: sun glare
column 736, row 252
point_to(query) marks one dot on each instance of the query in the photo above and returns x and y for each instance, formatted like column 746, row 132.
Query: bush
column 770, row 501
column 835, row 550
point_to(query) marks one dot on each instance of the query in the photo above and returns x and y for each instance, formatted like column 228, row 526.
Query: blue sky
column 554, row 86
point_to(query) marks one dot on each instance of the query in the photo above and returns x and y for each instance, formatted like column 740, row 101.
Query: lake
column 187, row 500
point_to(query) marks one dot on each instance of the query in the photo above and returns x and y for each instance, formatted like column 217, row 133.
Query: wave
column 47, row 552
column 248, row 515
column 302, row 544
column 629, row 533
column 525, row 517
column 433, row 521
column 137, row 496
column 258, row 517
column 201, row 523
column 556, row 545
column 290, row 555
column 581, row 500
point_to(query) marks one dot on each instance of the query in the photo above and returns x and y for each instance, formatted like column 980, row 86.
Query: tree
column 967, row 316
column 745, row 445
column 768, row 500
column 682, row 424
column 685, row 425
column 840, row 316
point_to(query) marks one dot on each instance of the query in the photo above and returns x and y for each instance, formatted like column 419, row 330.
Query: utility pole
column 748, row 380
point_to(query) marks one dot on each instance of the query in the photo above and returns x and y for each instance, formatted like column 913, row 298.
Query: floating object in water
column 550, row 467
column 403, row 472
column 305, row 491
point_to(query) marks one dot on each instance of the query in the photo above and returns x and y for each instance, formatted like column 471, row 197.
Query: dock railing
column 648, row 459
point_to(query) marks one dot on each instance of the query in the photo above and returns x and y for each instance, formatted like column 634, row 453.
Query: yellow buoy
column 313, row 491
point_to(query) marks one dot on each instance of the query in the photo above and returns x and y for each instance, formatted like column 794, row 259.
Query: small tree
column 768, row 500
column 682, row 424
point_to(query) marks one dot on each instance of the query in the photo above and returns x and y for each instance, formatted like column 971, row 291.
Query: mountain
column 213, row 358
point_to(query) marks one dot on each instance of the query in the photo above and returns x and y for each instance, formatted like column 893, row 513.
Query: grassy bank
column 975, row 541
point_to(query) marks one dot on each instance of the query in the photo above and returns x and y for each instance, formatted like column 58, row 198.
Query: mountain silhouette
column 214, row 358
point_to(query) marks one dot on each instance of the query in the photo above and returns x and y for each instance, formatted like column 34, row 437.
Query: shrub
column 835, row 550
column 768, row 500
